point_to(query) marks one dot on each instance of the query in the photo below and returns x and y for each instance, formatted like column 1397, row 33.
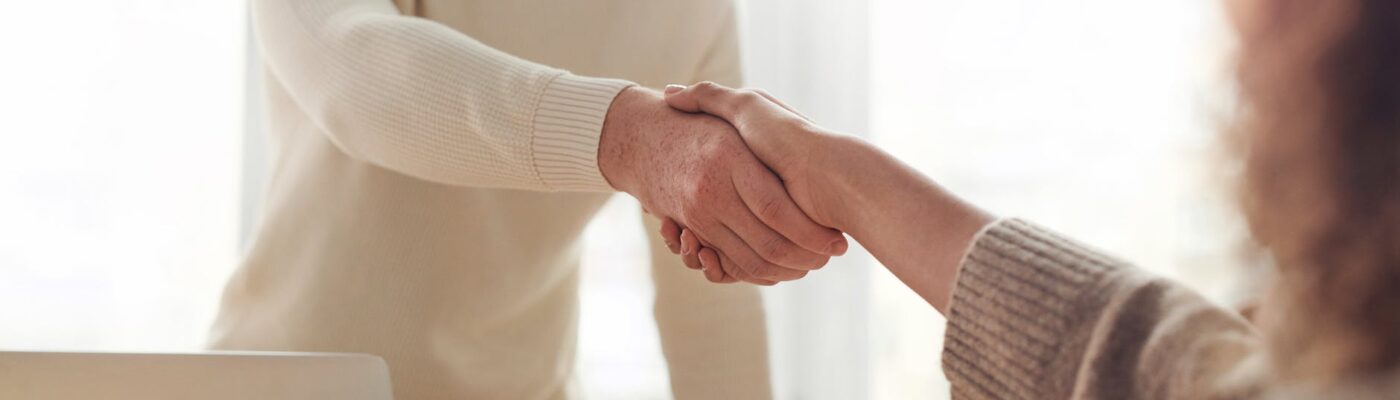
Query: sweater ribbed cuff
column 568, row 122
column 1020, row 297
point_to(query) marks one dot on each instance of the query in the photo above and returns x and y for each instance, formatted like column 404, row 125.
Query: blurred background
column 1099, row 118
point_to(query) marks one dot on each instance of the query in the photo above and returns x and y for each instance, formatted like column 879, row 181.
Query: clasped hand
column 728, row 213
column 723, row 170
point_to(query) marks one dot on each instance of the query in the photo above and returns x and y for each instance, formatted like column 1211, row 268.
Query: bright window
column 121, row 124
column 122, row 186
column 1098, row 118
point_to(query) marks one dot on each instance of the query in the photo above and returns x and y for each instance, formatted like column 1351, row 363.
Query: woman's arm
column 913, row 226
column 1031, row 314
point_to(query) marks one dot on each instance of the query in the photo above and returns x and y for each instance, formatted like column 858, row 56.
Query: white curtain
column 118, row 171
column 1095, row 118
column 814, row 55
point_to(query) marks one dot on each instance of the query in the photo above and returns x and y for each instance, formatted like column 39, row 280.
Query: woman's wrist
column 916, row 228
column 834, row 162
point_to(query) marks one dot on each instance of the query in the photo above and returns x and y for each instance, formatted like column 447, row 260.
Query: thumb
column 707, row 97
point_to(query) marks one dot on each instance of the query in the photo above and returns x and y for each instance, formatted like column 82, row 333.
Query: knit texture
column 390, row 225
column 1037, row 316
column 566, row 129
column 461, row 112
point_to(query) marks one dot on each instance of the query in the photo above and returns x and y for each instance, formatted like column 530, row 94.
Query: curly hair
column 1320, row 135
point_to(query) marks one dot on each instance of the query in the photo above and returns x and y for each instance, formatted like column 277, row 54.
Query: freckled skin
column 696, row 170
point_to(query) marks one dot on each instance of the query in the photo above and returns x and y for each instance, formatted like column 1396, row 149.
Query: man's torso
column 465, row 291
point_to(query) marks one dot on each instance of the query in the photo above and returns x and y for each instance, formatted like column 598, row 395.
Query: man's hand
column 782, row 138
column 696, row 170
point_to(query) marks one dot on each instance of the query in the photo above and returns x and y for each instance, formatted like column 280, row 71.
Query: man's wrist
column 616, row 159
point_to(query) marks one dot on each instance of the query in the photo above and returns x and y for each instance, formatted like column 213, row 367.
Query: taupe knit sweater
column 1038, row 316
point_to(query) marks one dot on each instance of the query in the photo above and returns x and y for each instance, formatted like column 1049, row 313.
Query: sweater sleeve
column 422, row 99
column 1036, row 316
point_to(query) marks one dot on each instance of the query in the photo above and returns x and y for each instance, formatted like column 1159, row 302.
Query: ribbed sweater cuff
column 567, row 124
column 1016, row 312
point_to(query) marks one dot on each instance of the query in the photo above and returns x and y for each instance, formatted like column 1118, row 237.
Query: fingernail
column 670, row 246
column 838, row 246
column 672, row 88
column 685, row 248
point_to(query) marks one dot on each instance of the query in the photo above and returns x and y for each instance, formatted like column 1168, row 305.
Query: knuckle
column 690, row 188
column 715, row 278
column 788, row 274
column 702, row 179
column 739, row 273
column 709, row 153
column 717, row 149
column 772, row 272
column 697, row 188
column 775, row 249
column 693, row 208
column 706, row 87
column 765, row 273
column 751, row 268
column 769, row 209
column 748, row 98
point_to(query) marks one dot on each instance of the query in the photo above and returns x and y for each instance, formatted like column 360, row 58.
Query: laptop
column 212, row 376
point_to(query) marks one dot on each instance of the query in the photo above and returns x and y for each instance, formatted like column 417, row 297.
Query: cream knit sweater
column 414, row 207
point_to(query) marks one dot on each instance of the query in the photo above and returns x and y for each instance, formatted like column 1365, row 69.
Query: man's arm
column 422, row 99
column 419, row 98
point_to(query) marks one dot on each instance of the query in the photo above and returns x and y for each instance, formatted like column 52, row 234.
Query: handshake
column 730, row 173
